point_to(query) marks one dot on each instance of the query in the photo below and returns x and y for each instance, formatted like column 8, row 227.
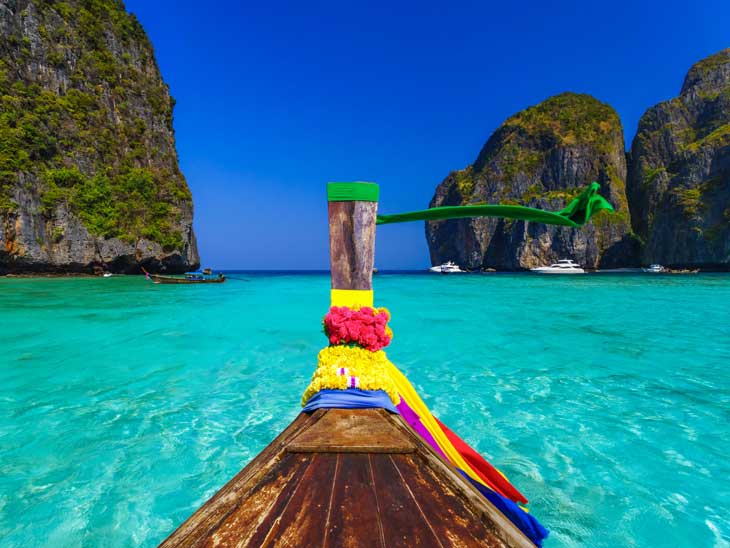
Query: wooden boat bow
column 347, row 477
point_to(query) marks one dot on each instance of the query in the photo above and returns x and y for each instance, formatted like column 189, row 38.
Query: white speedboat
column 563, row 266
column 446, row 268
column 655, row 269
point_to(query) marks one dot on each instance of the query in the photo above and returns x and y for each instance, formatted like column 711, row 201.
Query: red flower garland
column 366, row 327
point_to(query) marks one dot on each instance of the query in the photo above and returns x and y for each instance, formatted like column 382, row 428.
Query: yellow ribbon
column 351, row 298
column 414, row 401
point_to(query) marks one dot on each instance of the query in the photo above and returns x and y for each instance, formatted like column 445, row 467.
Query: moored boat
column 563, row 266
column 655, row 269
column 448, row 267
column 206, row 276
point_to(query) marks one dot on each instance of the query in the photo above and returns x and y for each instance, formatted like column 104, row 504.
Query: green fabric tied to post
column 353, row 192
column 577, row 213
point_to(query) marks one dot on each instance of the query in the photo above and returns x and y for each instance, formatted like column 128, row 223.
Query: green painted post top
column 353, row 192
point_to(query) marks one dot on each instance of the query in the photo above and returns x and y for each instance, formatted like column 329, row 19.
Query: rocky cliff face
column 541, row 157
column 679, row 177
column 88, row 168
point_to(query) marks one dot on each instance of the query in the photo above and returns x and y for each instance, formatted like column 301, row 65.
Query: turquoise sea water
column 605, row 399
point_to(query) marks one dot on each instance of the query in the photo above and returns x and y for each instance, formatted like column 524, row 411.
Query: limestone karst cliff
column 679, row 176
column 89, row 173
column 540, row 157
column 671, row 192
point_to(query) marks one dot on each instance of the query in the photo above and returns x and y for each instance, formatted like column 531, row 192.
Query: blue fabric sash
column 352, row 398
column 525, row 522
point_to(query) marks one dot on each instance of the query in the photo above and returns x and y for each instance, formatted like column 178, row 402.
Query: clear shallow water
column 605, row 399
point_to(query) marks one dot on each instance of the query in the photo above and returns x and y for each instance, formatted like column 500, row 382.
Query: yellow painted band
column 351, row 298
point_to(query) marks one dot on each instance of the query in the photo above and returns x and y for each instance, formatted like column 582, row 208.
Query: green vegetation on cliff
column 523, row 144
column 707, row 67
column 718, row 137
column 567, row 119
column 710, row 63
column 86, row 139
column 465, row 181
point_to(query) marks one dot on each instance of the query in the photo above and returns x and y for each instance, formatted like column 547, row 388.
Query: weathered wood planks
column 407, row 496
column 351, row 431
column 352, row 244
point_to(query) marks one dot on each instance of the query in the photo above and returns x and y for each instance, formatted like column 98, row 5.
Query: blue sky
column 274, row 99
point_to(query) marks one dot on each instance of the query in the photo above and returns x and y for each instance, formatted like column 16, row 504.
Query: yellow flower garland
column 370, row 369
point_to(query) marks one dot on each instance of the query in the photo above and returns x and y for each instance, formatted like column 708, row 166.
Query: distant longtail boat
column 206, row 276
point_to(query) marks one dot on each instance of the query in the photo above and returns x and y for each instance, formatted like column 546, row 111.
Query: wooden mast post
column 352, row 211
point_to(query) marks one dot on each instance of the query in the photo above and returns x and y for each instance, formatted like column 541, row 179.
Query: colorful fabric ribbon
column 525, row 522
column 490, row 482
column 487, row 473
column 577, row 213
column 355, row 373
column 352, row 298
column 352, row 398
column 411, row 397
column 414, row 421
column 486, row 478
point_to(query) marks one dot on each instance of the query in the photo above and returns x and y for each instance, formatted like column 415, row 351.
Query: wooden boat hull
column 348, row 477
column 173, row 280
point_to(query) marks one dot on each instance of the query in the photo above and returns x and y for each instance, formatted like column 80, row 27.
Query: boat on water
column 449, row 267
column 348, row 477
column 563, row 266
column 206, row 276
column 365, row 463
column 655, row 269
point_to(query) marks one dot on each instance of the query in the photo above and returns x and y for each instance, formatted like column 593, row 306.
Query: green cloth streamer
column 577, row 213
column 352, row 192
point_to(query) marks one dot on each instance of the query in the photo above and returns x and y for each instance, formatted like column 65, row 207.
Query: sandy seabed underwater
column 605, row 399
